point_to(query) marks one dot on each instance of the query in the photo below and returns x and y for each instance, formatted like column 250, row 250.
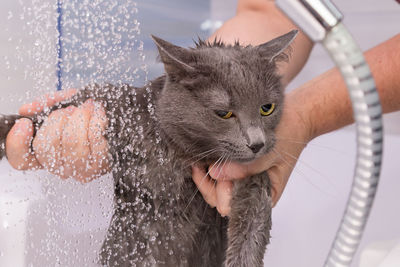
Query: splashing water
column 100, row 42
column 63, row 222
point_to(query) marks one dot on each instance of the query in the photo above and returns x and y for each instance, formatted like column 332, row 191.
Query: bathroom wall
column 26, row 66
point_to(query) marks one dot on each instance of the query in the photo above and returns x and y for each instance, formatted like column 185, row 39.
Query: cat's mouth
column 234, row 153
column 249, row 153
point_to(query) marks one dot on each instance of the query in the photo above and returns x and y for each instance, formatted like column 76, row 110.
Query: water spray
column 59, row 45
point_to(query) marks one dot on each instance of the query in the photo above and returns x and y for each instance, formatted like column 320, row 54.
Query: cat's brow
column 220, row 98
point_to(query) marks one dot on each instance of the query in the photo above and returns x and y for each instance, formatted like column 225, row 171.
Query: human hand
column 70, row 143
column 256, row 22
column 292, row 135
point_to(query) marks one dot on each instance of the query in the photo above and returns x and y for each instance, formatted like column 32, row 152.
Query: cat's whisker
column 291, row 140
column 220, row 169
column 193, row 162
column 286, row 153
column 230, row 161
column 225, row 161
column 188, row 149
column 313, row 145
column 215, row 181
column 200, row 154
column 329, row 179
column 202, row 180
column 287, row 162
column 208, row 153
column 217, row 164
column 300, row 172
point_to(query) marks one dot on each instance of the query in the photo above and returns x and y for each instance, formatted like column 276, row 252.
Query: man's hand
column 70, row 143
column 292, row 135
column 256, row 22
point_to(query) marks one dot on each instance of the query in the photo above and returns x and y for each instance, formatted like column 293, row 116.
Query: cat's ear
column 275, row 49
column 176, row 59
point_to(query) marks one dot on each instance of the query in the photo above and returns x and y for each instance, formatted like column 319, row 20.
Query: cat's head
column 222, row 101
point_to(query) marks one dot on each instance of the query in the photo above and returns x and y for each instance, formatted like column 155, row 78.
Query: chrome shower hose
column 321, row 21
column 368, row 118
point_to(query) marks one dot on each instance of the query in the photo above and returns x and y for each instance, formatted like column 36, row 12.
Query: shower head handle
column 314, row 17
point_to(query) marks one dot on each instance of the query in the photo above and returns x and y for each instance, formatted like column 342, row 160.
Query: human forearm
column 258, row 21
column 324, row 102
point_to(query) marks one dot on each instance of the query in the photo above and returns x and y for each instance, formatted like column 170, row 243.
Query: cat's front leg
column 250, row 222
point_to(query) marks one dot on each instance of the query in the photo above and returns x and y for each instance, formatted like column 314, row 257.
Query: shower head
column 314, row 17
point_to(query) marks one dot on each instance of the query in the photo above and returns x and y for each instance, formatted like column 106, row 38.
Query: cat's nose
column 255, row 147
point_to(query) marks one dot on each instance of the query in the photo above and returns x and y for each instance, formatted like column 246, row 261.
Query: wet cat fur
column 155, row 134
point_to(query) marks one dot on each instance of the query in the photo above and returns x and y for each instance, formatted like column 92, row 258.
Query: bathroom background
column 45, row 221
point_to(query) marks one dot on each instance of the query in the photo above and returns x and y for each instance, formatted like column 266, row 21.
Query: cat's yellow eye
column 224, row 114
column 267, row 109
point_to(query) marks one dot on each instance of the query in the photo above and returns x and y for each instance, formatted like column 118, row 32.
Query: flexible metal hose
column 321, row 21
column 368, row 118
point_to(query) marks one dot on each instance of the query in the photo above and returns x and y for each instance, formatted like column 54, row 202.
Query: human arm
column 319, row 106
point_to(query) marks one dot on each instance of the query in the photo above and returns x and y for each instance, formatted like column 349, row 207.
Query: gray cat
column 216, row 103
